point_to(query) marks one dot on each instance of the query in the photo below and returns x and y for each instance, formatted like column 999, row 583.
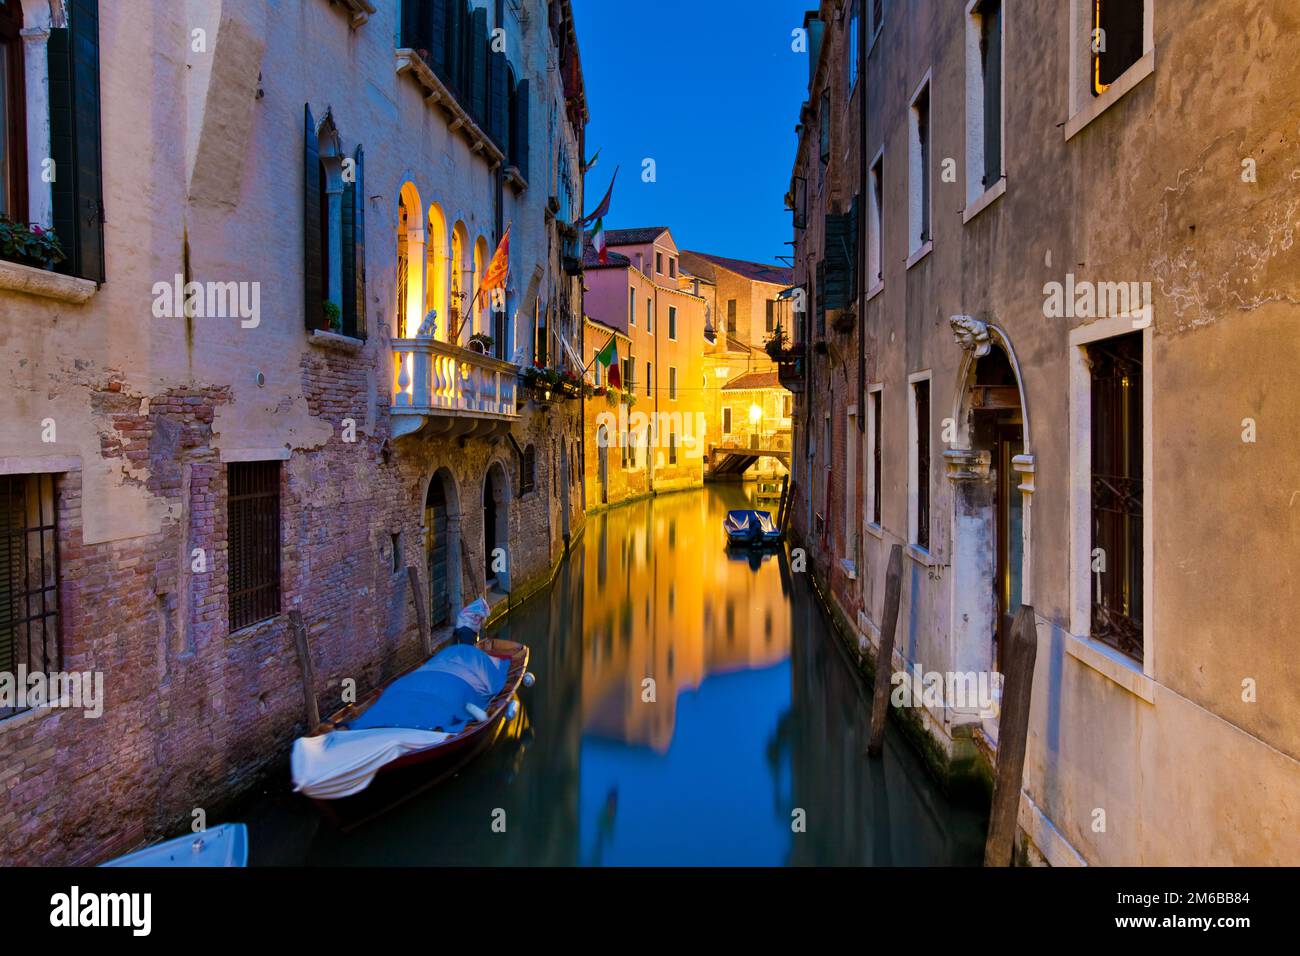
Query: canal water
column 690, row 709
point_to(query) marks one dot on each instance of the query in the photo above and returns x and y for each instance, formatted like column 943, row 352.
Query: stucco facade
column 138, row 411
column 1169, row 751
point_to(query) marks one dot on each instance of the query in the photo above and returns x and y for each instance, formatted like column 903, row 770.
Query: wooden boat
column 768, row 532
column 414, row 760
column 225, row 845
column 740, row 527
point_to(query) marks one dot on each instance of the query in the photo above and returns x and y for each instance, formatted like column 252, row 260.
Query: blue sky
column 710, row 90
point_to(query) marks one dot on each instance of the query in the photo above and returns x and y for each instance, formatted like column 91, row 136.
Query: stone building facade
column 233, row 400
column 1048, row 349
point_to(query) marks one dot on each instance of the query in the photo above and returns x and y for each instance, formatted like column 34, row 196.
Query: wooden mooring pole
column 1013, row 732
column 308, row 672
column 780, row 511
column 885, row 655
column 421, row 618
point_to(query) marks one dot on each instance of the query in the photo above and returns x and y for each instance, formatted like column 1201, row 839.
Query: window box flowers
column 29, row 244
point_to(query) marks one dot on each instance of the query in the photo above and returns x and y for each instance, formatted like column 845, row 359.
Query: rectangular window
column 659, row 263
column 875, row 232
column 649, row 380
column 726, row 420
column 649, row 316
column 1117, row 491
column 854, row 7
column 921, row 463
column 787, row 406
column 990, row 15
column 771, row 315
column 629, row 373
column 919, row 180
column 253, row 531
column 731, row 316
column 824, row 121
column 631, row 307
column 672, row 322
column 874, row 427
column 29, row 576
column 13, row 116
column 1118, row 32
column 672, row 383
column 672, row 268
column 672, row 448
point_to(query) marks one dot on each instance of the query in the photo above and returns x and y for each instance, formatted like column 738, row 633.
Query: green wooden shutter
column 521, row 128
column 358, row 258
column 411, row 27
column 498, row 118
column 478, row 64
column 436, row 34
column 75, row 140
column 313, row 306
column 348, row 267
column 836, row 288
column 455, row 45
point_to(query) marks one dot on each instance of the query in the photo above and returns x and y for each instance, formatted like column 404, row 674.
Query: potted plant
column 481, row 343
column 29, row 244
column 775, row 343
column 333, row 317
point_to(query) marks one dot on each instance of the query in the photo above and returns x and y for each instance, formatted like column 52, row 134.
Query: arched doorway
column 442, row 547
column 496, row 529
column 991, row 474
column 602, row 451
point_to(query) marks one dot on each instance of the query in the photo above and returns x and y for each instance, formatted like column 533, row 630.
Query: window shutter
column 75, row 140
column 435, row 32
column 354, row 254
column 498, row 119
column 835, row 288
column 520, row 138
column 478, row 68
column 313, row 307
column 455, row 44
column 411, row 25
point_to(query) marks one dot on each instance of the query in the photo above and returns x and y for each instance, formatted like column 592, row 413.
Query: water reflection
column 688, row 705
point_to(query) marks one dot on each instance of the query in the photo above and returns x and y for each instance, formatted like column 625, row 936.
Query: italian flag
column 608, row 356
column 602, row 253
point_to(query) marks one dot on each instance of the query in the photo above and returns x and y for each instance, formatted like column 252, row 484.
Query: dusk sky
column 711, row 93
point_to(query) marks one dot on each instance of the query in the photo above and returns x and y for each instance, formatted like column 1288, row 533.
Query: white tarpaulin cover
column 344, row 762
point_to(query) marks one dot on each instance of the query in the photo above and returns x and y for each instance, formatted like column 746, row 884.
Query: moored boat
column 768, row 532
column 740, row 526
column 224, row 845
column 412, row 732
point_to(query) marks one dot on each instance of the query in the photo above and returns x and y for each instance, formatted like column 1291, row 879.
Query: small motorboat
column 225, row 845
column 740, row 526
column 411, row 733
column 768, row 532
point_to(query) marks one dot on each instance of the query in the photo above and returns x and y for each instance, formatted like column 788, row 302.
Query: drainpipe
column 859, row 265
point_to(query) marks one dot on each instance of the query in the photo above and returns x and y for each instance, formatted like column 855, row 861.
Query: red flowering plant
column 29, row 243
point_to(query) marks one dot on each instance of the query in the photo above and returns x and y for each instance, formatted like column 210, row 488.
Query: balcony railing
column 434, row 379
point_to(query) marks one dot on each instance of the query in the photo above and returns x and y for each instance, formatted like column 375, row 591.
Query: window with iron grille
column 253, row 516
column 1116, row 505
column 921, row 391
column 29, row 576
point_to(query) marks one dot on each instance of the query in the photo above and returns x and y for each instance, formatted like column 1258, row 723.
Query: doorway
column 489, row 529
column 602, row 445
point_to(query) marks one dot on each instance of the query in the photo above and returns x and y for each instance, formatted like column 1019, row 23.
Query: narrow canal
column 750, row 753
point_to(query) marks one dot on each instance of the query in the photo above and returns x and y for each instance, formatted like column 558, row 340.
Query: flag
column 591, row 162
column 603, row 208
column 602, row 251
column 608, row 356
column 498, row 269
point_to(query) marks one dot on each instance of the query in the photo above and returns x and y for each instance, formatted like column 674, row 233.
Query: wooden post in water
column 308, row 672
column 885, row 656
column 780, row 511
column 421, row 618
column 1013, row 731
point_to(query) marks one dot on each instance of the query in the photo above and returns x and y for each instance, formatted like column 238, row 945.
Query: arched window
column 334, row 232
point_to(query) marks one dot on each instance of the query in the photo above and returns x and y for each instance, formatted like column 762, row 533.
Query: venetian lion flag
column 608, row 356
column 498, row 269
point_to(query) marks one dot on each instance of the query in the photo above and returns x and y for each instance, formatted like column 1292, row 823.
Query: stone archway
column 496, row 528
column 991, row 468
column 442, row 547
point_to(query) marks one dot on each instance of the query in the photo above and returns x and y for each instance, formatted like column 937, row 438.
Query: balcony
column 442, row 389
